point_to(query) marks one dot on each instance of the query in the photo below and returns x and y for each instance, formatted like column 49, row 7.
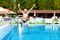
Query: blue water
column 34, row 32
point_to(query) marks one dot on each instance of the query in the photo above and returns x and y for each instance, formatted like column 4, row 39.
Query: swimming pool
column 35, row 32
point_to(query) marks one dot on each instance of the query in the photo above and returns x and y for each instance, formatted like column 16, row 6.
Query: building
column 43, row 13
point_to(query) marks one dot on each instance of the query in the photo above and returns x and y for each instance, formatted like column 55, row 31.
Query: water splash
column 20, row 31
column 51, row 27
column 55, row 26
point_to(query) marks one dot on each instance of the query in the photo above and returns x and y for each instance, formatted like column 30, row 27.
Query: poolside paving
column 5, row 22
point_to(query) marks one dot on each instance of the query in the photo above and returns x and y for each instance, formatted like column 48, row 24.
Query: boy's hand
column 34, row 4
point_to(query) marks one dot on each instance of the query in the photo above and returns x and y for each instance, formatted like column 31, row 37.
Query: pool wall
column 11, row 35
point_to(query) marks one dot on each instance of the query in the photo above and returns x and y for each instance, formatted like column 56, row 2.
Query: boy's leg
column 28, row 24
column 21, row 24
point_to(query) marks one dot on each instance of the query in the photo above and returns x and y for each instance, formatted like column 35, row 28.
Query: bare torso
column 25, row 16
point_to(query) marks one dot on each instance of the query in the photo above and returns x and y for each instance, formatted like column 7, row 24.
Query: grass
column 13, row 23
column 36, row 22
column 41, row 23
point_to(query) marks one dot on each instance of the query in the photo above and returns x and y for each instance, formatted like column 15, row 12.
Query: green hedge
column 36, row 22
column 41, row 23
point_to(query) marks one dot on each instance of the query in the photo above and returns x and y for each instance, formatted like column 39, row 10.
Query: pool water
column 34, row 32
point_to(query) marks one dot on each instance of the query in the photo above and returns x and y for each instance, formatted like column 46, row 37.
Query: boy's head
column 25, row 10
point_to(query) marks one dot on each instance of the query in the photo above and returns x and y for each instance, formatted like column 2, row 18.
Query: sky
column 14, row 0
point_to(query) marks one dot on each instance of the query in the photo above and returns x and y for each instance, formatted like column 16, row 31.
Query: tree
column 50, row 4
column 26, row 3
column 9, row 4
column 41, row 4
column 57, row 4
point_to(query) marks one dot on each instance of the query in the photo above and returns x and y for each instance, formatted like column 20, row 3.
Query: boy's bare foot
column 28, row 25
